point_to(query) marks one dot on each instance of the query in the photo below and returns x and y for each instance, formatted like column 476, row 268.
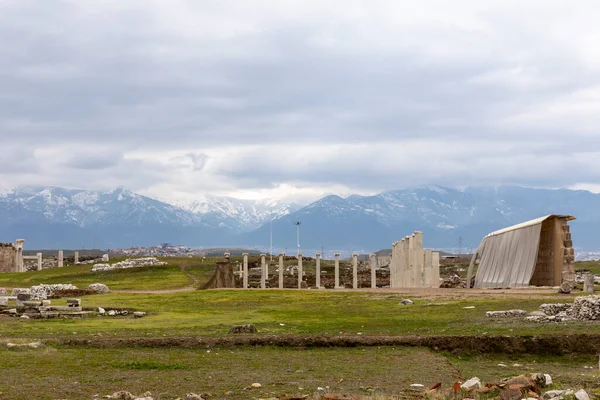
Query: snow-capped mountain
column 239, row 214
column 89, row 208
column 446, row 216
column 55, row 217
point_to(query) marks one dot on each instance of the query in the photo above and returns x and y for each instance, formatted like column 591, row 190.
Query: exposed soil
column 482, row 344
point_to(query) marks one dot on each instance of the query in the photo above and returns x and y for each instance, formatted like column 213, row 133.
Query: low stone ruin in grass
column 129, row 263
column 584, row 308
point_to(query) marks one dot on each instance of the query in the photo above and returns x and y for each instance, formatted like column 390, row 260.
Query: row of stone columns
column 412, row 266
column 265, row 271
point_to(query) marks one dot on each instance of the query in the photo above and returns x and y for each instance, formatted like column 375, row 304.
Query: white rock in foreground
column 473, row 383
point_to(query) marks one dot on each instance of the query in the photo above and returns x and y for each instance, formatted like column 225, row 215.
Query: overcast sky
column 295, row 99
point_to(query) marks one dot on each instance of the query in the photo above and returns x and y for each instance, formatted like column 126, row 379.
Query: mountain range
column 51, row 217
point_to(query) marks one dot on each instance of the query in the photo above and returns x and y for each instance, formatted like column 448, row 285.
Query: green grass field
column 58, row 372
column 73, row 372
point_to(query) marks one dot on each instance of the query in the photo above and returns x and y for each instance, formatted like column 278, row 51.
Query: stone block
column 3, row 301
column 74, row 302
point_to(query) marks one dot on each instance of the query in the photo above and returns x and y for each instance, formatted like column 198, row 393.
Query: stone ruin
column 11, row 256
column 129, row 263
column 223, row 276
column 584, row 308
column 412, row 266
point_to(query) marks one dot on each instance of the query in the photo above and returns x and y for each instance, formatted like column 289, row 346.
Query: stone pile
column 129, row 263
column 99, row 288
column 507, row 313
column 586, row 308
column 453, row 281
column 556, row 308
column 42, row 292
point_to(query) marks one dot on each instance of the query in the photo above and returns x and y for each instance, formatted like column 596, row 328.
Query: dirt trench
column 482, row 344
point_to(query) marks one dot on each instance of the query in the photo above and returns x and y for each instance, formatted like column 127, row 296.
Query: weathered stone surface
column 193, row 396
column 105, row 258
column 4, row 301
column 248, row 328
column 555, row 308
column 3, row 291
column 99, row 288
column 16, row 291
column 473, row 383
column 565, row 287
column 586, row 308
column 406, row 302
column 139, row 314
column 122, row 395
column 101, row 310
column 582, row 395
column 506, row 313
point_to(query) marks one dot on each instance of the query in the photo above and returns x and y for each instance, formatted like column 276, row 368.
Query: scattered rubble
column 129, row 263
column 507, row 313
column 453, row 281
column 42, row 292
column 585, row 308
column 406, row 302
column 556, row 308
column 23, row 346
column 248, row 328
column 99, row 288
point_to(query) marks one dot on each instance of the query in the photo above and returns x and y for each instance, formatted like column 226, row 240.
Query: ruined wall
column 544, row 273
column 555, row 254
column 8, row 257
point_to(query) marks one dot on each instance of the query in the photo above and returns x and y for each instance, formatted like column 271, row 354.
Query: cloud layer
column 285, row 98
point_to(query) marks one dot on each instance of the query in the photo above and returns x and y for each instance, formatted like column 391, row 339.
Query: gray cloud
column 187, row 97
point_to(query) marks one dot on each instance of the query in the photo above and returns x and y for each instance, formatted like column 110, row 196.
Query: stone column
column 428, row 268
column 61, row 261
column 19, row 264
column 406, row 262
column 373, row 258
column 393, row 264
column 281, row 271
column 263, row 272
column 318, row 270
column 435, row 270
column 245, row 271
column 39, row 261
column 337, row 271
column 419, row 260
column 299, row 271
column 76, row 257
column 354, row 271
column 588, row 283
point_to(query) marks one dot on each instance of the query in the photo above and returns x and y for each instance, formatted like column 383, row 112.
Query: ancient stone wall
column 8, row 257
column 555, row 254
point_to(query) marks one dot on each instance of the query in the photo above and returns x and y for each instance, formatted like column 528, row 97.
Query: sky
column 296, row 99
